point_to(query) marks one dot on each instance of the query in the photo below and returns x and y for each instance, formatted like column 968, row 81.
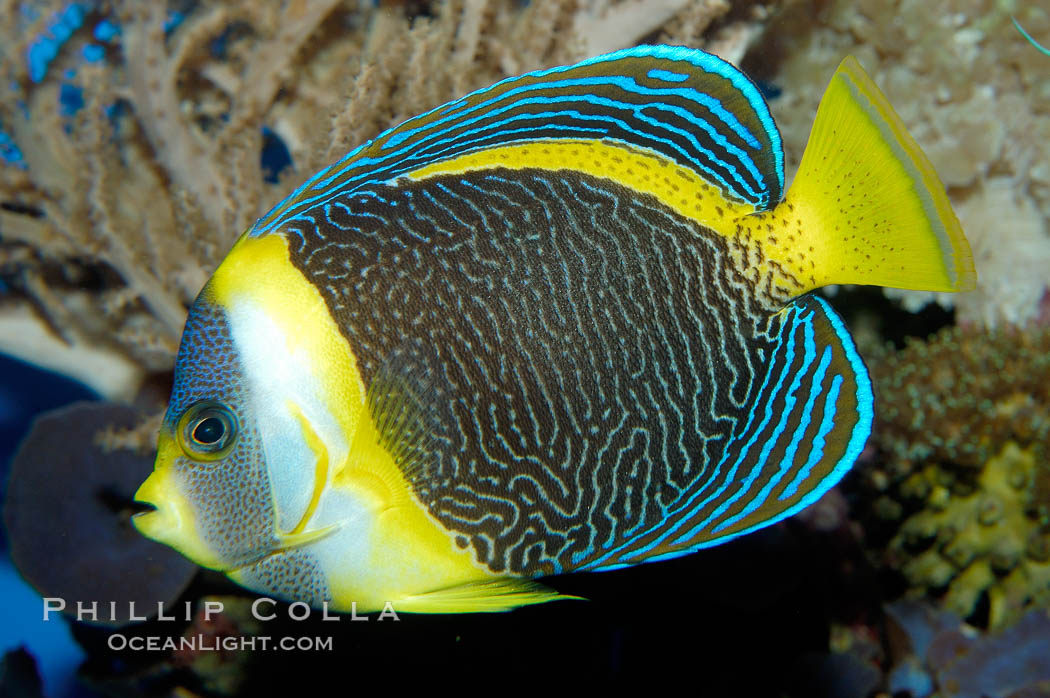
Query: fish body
column 560, row 324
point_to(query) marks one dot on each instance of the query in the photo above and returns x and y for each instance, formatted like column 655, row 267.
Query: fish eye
column 207, row 430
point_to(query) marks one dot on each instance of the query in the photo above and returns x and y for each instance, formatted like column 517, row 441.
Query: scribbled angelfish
column 559, row 324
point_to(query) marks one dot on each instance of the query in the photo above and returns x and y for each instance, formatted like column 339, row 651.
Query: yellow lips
column 172, row 522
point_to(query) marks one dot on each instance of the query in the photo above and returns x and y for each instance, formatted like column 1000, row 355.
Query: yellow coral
column 990, row 541
column 963, row 432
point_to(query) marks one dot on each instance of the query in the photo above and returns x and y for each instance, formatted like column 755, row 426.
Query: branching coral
column 120, row 209
column 133, row 135
column 964, row 430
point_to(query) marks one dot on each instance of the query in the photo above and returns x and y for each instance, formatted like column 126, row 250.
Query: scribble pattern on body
column 587, row 377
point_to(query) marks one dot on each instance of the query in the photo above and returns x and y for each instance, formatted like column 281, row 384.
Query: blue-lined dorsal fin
column 685, row 105
column 808, row 423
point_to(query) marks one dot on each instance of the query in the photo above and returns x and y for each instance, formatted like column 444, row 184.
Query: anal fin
column 487, row 596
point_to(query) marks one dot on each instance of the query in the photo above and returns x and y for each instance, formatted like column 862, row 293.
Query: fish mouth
column 160, row 521
column 157, row 523
column 164, row 516
column 167, row 519
column 156, row 520
column 120, row 504
column 141, row 508
column 140, row 518
column 155, row 517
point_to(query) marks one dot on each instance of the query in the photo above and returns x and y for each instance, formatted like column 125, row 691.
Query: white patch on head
column 276, row 374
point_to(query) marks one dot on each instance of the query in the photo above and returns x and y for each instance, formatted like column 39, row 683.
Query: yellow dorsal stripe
column 678, row 187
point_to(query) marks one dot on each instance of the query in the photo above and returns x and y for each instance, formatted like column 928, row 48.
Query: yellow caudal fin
column 487, row 596
column 867, row 202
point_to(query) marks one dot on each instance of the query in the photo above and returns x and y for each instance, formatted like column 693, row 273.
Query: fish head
column 210, row 488
column 245, row 448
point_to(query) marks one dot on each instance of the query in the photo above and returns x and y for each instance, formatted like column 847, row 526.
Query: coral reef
column 139, row 139
column 959, row 396
column 988, row 542
column 932, row 651
column 973, row 92
column 964, row 433
column 919, row 651
column 134, row 135
column 223, row 671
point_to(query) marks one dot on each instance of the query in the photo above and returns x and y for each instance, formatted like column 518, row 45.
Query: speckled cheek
column 232, row 501
column 231, row 497
column 293, row 576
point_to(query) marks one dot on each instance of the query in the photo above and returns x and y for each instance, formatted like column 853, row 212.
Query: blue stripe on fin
column 824, row 417
column 683, row 104
column 667, row 75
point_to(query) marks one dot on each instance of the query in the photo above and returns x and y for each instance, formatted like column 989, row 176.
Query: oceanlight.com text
column 209, row 643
